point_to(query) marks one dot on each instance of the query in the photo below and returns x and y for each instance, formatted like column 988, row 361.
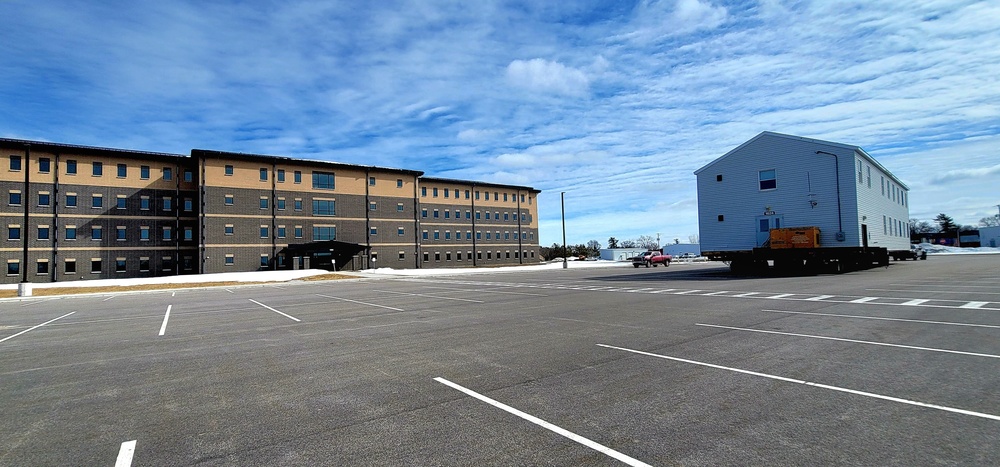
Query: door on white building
column 764, row 226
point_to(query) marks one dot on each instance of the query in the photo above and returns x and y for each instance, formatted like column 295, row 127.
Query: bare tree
column 693, row 238
column 991, row 221
column 612, row 242
column 627, row 244
column 594, row 246
column 648, row 242
column 918, row 226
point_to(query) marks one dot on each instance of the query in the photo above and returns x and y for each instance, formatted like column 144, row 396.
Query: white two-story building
column 776, row 180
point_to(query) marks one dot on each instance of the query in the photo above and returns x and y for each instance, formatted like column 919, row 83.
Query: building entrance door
column 764, row 226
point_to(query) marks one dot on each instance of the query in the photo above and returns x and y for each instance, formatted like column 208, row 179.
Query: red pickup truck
column 651, row 258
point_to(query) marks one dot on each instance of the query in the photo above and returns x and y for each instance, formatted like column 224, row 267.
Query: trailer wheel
column 647, row 264
column 636, row 266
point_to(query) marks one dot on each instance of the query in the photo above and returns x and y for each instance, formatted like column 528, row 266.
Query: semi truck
column 798, row 249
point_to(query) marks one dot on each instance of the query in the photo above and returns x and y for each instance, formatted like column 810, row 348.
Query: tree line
column 593, row 247
column 944, row 223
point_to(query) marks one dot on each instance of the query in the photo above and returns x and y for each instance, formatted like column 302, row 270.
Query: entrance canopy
column 328, row 254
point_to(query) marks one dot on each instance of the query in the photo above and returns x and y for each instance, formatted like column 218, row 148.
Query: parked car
column 651, row 258
column 915, row 252
column 688, row 256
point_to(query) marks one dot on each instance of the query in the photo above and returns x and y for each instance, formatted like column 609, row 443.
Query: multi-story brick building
column 76, row 212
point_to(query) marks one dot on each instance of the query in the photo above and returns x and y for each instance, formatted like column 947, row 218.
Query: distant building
column 78, row 212
column 775, row 180
column 989, row 236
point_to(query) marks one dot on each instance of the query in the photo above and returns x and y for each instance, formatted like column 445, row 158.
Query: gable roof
column 857, row 150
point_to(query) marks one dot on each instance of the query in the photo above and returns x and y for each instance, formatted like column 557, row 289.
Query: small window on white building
column 767, row 179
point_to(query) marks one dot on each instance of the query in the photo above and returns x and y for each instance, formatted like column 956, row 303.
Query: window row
column 893, row 192
column 507, row 197
column 71, row 232
column 72, row 200
column 97, row 169
column 446, row 214
column 97, row 266
column 447, row 256
column 895, row 227
column 437, row 235
column 320, row 180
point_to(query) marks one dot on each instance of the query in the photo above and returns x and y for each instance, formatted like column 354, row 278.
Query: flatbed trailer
column 819, row 259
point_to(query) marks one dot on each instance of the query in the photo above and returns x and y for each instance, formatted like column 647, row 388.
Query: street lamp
column 562, row 202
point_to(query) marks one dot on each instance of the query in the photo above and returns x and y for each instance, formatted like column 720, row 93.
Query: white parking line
column 685, row 292
column 915, row 302
column 807, row 383
column 125, row 454
column 748, row 294
column 109, row 298
column 360, row 303
column 863, row 300
column 974, row 305
column 548, row 426
column 818, row 298
column 163, row 327
column 276, row 311
column 931, row 349
column 921, row 321
column 36, row 326
column 429, row 296
column 781, row 295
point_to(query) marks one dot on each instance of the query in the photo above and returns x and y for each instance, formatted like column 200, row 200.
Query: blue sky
column 615, row 103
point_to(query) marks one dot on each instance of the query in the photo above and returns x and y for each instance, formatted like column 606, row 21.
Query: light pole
column 562, row 202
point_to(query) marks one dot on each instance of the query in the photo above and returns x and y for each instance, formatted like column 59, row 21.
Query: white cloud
column 544, row 76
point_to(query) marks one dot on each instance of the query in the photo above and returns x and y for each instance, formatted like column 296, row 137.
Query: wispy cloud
column 614, row 103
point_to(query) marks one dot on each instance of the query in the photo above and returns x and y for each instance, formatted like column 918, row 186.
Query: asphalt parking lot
column 679, row 366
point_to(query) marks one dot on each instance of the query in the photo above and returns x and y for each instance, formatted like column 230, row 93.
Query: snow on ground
column 283, row 276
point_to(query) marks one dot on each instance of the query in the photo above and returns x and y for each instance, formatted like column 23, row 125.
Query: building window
column 97, row 201
column 13, row 232
column 281, row 175
column 43, row 232
column 188, row 177
column 298, row 231
column 264, row 261
column 400, row 231
column 297, row 176
column 372, row 206
column 425, row 235
column 467, row 196
column 263, row 175
column 168, row 234
column 120, row 232
column 229, row 229
column 298, row 204
column 436, row 214
column 230, row 259
column 426, row 257
column 324, row 233
column 323, row 181
column 168, row 173
column 71, row 167
column 13, row 266
column 868, row 171
column 371, row 181
column 264, row 231
column 229, row 170
column 42, row 266
column 324, row 207
column 435, row 192
column 69, row 267
column 70, row 232
column 437, row 256
column 95, row 265
column 97, row 169
column 229, row 200
column 15, row 163
column 188, row 233
column 445, row 192
column 402, row 255
column 122, row 171
column 859, row 172
column 281, row 231
column 44, row 165
column 280, row 204
column 144, row 233
column 120, row 202
column 423, row 212
column 263, row 203
column 423, row 191
column 767, row 179
column 144, row 203
column 188, row 204
column 399, row 183
column 168, row 263
column 399, row 207
column 437, row 235
column 144, row 172
column 44, row 198
column 120, row 265
column 373, row 231
column 447, row 214
column 168, row 203
column 144, row 264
